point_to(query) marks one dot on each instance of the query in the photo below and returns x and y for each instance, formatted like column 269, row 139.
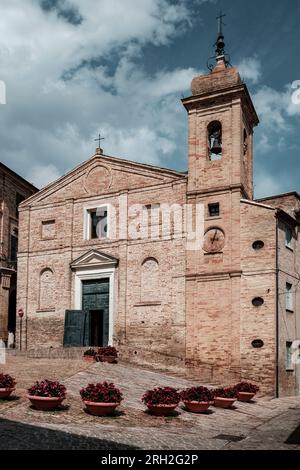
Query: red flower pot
column 45, row 403
column 224, row 402
column 245, row 396
column 100, row 409
column 5, row 392
column 161, row 410
column 109, row 359
column 89, row 358
column 197, row 406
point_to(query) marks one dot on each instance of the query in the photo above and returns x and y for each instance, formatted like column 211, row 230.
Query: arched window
column 214, row 135
column 150, row 280
column 46, row 290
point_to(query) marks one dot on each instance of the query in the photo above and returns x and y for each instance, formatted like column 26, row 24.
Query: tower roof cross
column 220, row 22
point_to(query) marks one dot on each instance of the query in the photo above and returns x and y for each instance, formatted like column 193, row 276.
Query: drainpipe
column 277, row 311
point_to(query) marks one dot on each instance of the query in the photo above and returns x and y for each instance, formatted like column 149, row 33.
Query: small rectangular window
column 288, row 237
column 214, row 210
column 98, row 223
column 289, row 296
column 289, row 356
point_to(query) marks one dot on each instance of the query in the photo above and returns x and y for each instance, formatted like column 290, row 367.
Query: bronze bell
column 215, row 145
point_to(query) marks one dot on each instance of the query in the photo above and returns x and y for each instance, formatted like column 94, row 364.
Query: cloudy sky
column 73, row 68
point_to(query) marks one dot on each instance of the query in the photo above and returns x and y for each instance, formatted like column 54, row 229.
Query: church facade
column 222, row 310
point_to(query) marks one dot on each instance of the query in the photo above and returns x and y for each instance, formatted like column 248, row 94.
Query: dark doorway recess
column 89, row 326
column 12, row 312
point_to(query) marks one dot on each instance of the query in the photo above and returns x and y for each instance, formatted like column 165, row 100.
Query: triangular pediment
column 102, row 175
column 94, row 258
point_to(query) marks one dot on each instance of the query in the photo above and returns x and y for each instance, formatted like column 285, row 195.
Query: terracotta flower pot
column 5, row 392
column 100, row 409
column 45, row 403
column 89, row 358
column 197, row 406
column 245, row 396
column 224, row 402
column 161, row 410
column 109, row 359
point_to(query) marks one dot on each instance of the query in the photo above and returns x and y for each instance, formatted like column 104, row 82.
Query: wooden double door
column 89, row 326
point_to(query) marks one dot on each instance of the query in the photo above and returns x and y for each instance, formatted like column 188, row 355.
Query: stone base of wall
column 153, row 360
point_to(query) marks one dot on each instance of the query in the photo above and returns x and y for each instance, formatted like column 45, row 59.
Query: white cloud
column 41, row 175
column 276, row 144
column 250, row 69
column 276, row 107
column 49, row 123
column 263, row 144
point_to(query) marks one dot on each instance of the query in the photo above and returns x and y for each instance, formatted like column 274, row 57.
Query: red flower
column 101, row 393
column 107, row 351
column 161, row 396
column 197, row 394
column 7, row 381
column 226, row 392
column 48, row 388
column 246, row 387
column 90, row 352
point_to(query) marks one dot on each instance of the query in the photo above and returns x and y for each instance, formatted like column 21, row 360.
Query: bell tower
column 221, row 119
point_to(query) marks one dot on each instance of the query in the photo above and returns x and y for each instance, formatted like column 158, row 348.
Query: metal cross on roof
column 220, row 22
column 99, row 138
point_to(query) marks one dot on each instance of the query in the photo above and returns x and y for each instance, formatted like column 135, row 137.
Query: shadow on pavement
column 294, row 438
column 19, row 436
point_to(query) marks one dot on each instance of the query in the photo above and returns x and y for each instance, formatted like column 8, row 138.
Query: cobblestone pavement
column 263, row 424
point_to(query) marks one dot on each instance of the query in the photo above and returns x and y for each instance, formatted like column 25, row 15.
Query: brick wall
column 10, row 185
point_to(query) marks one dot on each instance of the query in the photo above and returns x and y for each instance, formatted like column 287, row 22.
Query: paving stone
column 263, row 424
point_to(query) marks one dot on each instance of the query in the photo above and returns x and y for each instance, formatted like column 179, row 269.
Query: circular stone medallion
column 98, row 180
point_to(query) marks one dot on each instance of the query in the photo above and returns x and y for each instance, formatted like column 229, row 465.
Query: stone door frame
column 96, row 273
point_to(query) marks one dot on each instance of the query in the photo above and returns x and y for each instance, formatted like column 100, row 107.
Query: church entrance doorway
column 95, row 304
column 90, row 325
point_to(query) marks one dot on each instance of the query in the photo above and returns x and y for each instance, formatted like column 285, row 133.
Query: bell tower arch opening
column 214, row 134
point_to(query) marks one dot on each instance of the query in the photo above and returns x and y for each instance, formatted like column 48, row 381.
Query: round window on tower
column 258, row 302
column 257, row 343
column 258, row 245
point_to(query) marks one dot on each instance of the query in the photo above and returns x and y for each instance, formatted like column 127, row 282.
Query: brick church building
column 224, row 311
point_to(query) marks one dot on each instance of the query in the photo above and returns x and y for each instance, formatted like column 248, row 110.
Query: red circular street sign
column 20, row 312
